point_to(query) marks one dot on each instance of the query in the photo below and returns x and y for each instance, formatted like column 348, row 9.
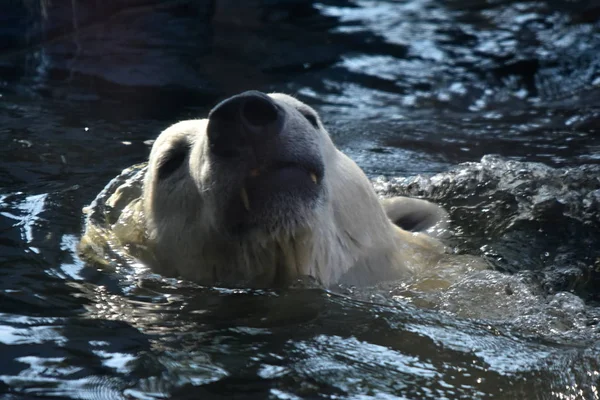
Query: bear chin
column 276, row 201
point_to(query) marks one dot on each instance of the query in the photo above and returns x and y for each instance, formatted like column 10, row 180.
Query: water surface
column 405, row 88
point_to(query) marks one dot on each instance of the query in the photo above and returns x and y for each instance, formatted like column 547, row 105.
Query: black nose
column 244, row 121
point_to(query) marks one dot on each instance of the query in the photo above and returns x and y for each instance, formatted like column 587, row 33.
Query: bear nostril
column 257, row 111
column 243, row 123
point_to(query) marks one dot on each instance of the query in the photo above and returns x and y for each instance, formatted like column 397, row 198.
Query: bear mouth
column 280, row 181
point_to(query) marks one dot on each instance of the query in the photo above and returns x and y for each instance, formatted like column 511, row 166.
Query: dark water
column 406, row 88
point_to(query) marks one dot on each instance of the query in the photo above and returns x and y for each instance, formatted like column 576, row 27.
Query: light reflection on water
column 406, row 88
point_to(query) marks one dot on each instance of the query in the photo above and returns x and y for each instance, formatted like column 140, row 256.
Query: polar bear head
column 254, row 167
column 257, row 194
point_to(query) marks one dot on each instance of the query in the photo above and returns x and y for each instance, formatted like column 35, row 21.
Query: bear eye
column 311, row 118
column 172, row 161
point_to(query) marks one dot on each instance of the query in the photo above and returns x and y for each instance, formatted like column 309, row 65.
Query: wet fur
column 343, row 237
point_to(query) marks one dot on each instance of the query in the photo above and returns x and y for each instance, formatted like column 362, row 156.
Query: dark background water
column 405, row 87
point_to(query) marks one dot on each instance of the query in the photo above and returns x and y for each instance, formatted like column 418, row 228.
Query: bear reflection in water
column 257, row 195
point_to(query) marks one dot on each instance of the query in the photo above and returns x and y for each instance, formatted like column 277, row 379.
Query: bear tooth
column 313, row 177
column 245, row 200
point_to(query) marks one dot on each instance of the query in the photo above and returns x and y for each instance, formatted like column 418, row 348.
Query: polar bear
column 257, row 195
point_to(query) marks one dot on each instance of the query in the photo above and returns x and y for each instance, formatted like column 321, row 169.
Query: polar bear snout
column 263, row 162
column 247, row 122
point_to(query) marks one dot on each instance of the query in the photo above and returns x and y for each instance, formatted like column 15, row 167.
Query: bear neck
column 273, row 260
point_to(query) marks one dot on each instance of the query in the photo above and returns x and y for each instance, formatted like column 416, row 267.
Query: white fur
column 347, row 237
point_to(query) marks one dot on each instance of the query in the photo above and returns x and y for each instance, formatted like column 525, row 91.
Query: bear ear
column 415, row 215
